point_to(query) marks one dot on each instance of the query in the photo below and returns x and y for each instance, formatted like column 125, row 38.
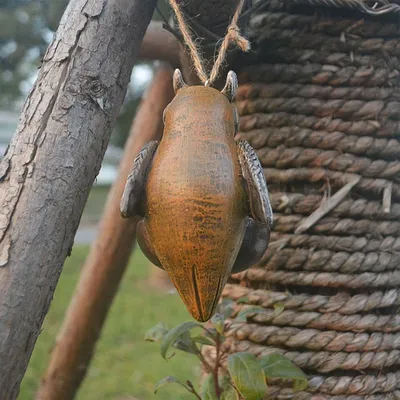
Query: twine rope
column 316, row 340
column 299, row 203
column 323, row 361
column 339, row 243
column 340, row 303
column 335, row 321
column 233, row 35
column 360, row 281
column 375, row 148
column 323, row 321
column 329, row 261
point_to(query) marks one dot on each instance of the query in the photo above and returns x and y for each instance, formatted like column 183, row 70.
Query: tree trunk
column 107, row 260
column 53, row 160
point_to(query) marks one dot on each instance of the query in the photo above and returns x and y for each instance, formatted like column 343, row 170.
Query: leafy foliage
column 242, row 316
column 166, row 380
column 229, row 392
column 278, row 366
column 208, row 389
column 248, row 375
column 218, row 321
column 156, row 333
column 179, row 337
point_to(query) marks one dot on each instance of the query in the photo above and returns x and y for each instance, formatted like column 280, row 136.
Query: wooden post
column 160, row 44
column 53, row 159
column 107, row 260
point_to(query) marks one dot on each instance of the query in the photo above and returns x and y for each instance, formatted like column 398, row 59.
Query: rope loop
column 233, row 35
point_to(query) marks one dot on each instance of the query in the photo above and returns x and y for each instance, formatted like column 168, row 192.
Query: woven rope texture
column 321, row 105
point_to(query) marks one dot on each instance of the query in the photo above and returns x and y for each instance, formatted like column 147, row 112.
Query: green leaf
column 243, row 299
column 201, row 339
column 247, row 375
column 242, row 316
column 278, row 366
column 208, row 389
column 219, row 323
column 156, row 333
column 211, row 333
column 279, row 307
column 166, row 380
column 299, row 385
column 224, row 381
column 226, row 308
column 171, row 337
column 185, row 343
column 229, row 392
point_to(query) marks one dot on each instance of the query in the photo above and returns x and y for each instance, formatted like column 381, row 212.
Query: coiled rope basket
column 321, row 106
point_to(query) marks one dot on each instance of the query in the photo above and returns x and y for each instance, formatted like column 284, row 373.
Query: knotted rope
column 233, row 35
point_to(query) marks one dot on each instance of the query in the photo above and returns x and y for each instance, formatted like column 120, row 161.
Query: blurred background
column 125, row 367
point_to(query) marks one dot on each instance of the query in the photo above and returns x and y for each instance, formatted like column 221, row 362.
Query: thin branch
column 387, row 198
column 193, row 390
column 208, row 367
column 218, row 390
column 208, row 331
column 327, row 205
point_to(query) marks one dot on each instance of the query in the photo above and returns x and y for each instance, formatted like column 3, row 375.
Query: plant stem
column 218, row 390
column 208, row 331
column 207, row 366
column 196, row 394
column 193, row 390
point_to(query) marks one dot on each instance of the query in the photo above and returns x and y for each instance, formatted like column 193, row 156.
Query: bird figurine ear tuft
column 231, row 86
column 178, row 81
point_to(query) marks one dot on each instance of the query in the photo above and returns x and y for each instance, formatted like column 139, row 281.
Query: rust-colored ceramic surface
column 201, row 196
column 195, row 201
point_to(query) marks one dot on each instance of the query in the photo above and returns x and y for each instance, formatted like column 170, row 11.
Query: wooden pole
column 53, row 159
column 160, row 44
column 107, row 260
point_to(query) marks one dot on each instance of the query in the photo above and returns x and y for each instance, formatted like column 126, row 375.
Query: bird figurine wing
column 257, row 190
column 135, row 185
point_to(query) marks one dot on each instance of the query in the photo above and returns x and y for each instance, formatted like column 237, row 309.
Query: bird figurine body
column 201, row 196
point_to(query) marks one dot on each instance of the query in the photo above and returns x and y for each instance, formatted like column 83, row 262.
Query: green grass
column 125, row 367
column 94, row 205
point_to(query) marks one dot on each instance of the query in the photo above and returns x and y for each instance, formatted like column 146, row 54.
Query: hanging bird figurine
column 201, row 195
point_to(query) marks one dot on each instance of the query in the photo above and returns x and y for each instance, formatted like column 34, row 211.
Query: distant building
column 108, row 171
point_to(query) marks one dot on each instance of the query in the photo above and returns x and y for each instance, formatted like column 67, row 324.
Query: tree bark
column 53, row 160
column 107, row 260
